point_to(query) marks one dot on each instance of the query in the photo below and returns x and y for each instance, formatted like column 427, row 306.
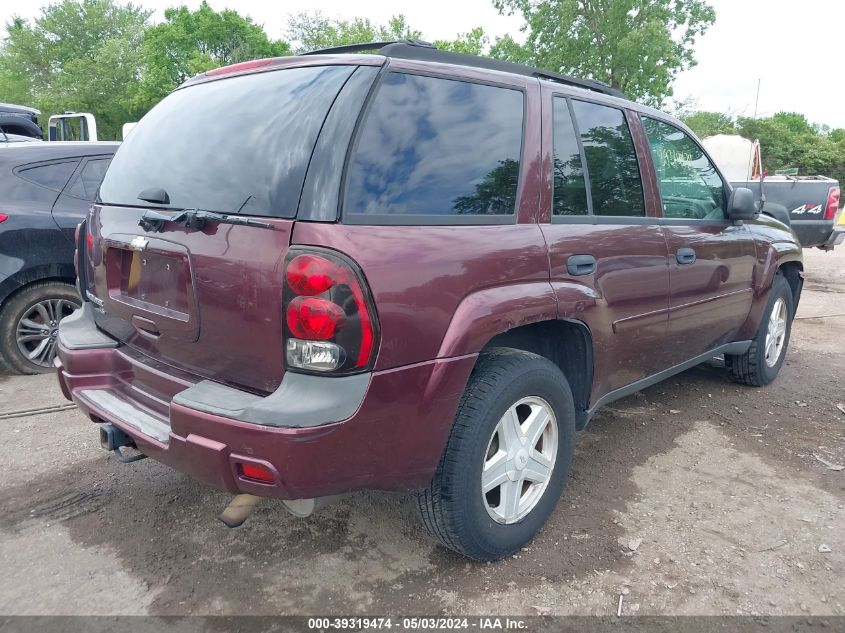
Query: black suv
column 45, row 191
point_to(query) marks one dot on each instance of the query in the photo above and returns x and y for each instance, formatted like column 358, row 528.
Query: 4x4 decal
column 806, row 208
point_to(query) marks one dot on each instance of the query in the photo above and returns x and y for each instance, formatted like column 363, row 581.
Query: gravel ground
column 696, row 496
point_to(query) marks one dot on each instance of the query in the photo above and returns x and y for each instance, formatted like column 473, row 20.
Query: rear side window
column 239, row 144
column 611, row 160
column 51, row 175
column 85, row 185
column 690, row 186
column 570, row 191
column 437, row 147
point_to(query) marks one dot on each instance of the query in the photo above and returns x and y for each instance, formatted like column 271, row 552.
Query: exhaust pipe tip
column 238, row 510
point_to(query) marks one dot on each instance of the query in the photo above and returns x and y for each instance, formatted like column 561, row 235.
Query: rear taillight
column 832, row 203
column 3, row 217
column 329, row 321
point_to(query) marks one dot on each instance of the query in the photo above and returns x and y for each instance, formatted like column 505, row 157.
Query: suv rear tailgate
column 206, row 297
column 207, row 301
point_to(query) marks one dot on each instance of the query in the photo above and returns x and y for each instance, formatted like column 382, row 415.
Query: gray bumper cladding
column 300, row 401
column 79, row 331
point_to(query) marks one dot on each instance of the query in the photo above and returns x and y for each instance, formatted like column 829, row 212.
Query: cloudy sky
column 794, row 48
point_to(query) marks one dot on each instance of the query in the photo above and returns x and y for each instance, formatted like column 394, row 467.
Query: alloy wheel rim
column 519, row 461
column 776, row 332
column 37, row 330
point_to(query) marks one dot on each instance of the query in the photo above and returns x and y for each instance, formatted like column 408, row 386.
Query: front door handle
column 577, row 265
column 685, row 256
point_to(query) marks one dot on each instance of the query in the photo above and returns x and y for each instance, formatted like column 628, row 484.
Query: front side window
column 437, row 147
column 612, row 165
column 689, row 183
column 570, row 192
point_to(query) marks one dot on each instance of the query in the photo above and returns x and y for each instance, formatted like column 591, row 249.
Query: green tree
column 637, row 46
column 81, row 55
column 705, row 123
column 190, row 42
column 310, row 31
column 788, row 140
column 475, row 42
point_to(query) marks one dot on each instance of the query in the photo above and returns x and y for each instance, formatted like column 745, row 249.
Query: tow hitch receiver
column 112, row 439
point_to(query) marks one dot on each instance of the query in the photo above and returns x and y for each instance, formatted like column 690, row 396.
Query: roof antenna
column 756, row 156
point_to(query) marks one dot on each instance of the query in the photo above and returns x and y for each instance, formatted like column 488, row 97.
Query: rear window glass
column 240, row 144
column 611, row 160
column 434, row 146
column 52, row 175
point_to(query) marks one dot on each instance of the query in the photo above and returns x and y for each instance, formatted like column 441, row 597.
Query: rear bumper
column 836, row 238
column 812, row 232
column 392, row 440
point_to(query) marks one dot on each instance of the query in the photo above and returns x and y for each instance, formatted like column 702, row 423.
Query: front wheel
column 761, row 364
column 507, row 458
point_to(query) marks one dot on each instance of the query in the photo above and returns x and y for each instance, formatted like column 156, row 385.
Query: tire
column 56, row 299
column 453, row 509
column 755, row 367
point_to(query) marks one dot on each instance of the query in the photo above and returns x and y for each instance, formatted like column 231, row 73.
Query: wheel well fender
column 486, row 313
column 568, row 343
column 792, row 271
column 780, row 258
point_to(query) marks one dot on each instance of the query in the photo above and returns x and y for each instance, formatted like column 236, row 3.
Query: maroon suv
column 416, row 270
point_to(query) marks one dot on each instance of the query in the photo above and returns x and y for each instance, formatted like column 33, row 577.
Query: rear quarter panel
column 444, row 291
column 427, row 281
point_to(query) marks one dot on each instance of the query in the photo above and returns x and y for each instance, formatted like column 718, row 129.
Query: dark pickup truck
column 809, row 204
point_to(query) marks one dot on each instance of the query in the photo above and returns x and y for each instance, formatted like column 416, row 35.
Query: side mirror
column 742, row 205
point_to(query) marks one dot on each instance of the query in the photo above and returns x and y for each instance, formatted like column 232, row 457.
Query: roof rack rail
column 432, row 54
column 367, row 46
column 424, row 51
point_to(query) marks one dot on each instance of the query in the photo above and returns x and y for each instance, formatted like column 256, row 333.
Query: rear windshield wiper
column 194, row 219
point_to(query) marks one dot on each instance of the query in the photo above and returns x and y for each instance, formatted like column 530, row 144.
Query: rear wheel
column 507, row 458
column 29, row 324
column 761, row 364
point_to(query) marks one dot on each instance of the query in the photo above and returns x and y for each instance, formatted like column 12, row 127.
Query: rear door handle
column 685, row 256
column 577, row 265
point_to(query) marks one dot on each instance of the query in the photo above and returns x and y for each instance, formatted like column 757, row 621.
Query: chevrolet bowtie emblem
column 139, row 243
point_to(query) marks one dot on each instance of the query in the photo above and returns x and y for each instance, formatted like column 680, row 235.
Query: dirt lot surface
column 696, row 496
